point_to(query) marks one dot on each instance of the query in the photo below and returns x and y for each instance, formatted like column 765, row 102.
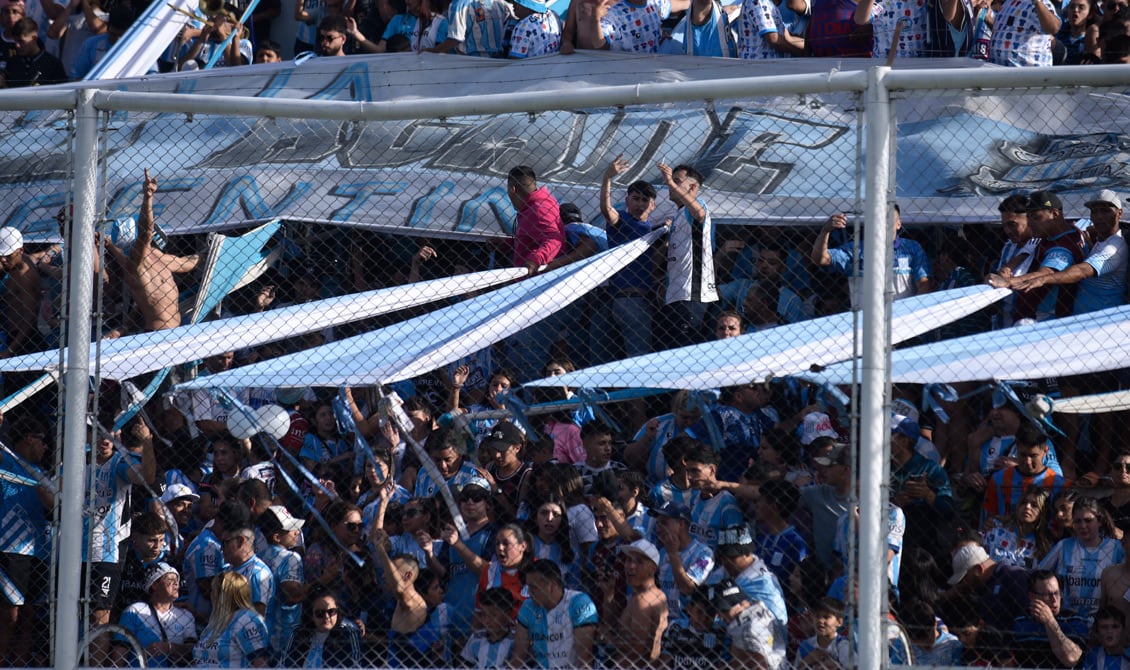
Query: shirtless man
column 23, row 295
column 148, row 271
column 645, row 617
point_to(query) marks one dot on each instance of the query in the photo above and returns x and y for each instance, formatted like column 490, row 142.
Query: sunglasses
column 353, row 526
column 1121, row 467
column 473, row 497
column 412, row 512
column 332, row 611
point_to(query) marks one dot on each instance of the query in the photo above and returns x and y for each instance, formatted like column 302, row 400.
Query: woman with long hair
column 326, row 638
column 1024, row 537
column 1084, row 556
column 324, row 443
column 565, row 484
column 236, row 636
column 327, row 555
column 549, row 530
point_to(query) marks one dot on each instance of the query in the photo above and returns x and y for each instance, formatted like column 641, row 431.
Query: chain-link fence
column 320, row 431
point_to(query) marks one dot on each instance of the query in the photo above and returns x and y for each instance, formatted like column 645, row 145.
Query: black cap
column 1038, row 200
column 725, row 594
column 502, row 435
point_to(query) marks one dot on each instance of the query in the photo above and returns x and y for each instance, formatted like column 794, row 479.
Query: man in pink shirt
column 539, row 234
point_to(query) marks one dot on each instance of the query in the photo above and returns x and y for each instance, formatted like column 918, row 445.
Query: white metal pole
column 873, row 431
column 76, row 377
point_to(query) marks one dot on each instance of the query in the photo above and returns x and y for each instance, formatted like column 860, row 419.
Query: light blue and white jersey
column 759, row 583
column 284, row 620
column 102, row 526
column 483, row 654
column 656, row 463
column 754, row 630
column 1107, row 287
column 641, row 521
column 896, row 529
column 308, row 32
column 1098, row 659
column 262, row 582
column 405, row 544
column 177, row 626
column 236, row 646
column 23, row 519
column 714, row 38
column 1079, row 570
column 551, row 632
column 997, row 447
column 463, row 583
column 479, row 25
column 709, row 515
column 426, row 487
column 369, row 513
column 204, row 559
column 698, row 561
column 945, row 652
column 666, row 490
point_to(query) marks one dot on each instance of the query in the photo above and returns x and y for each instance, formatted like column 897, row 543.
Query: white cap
column 966, row 558
column 284, row 518
column 642, row 547
column 1105, row 197
column 11, row 241
column 157, row 572
column 817, row 424
column 178, row 490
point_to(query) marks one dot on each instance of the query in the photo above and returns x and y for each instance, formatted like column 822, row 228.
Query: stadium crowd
column 718, row 531
column 51, row 41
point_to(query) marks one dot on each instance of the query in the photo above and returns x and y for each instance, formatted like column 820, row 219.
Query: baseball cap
column 816, row 424
column 11, row 240
column 503, row 435
column 278, row 518
column 1105, row 197
column 839, row 455
column 725, row 594
column 964, row 559
column 158, row 571
column 1038, row 200
column 735, row 540
column 178, row 491
column 670, row 508
column 477, row 481
column 903, row 425
column 642, row 547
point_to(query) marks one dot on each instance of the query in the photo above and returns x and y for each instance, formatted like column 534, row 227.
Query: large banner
column 791, row 159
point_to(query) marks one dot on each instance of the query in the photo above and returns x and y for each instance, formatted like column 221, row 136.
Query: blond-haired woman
column 236, row 636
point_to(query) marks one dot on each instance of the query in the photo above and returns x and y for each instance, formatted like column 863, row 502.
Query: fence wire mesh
column 376, row 480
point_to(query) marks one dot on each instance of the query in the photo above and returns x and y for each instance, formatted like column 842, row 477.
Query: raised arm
column 614, row 169
column 820, row 255
column 682, row 195
column 144, row 221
